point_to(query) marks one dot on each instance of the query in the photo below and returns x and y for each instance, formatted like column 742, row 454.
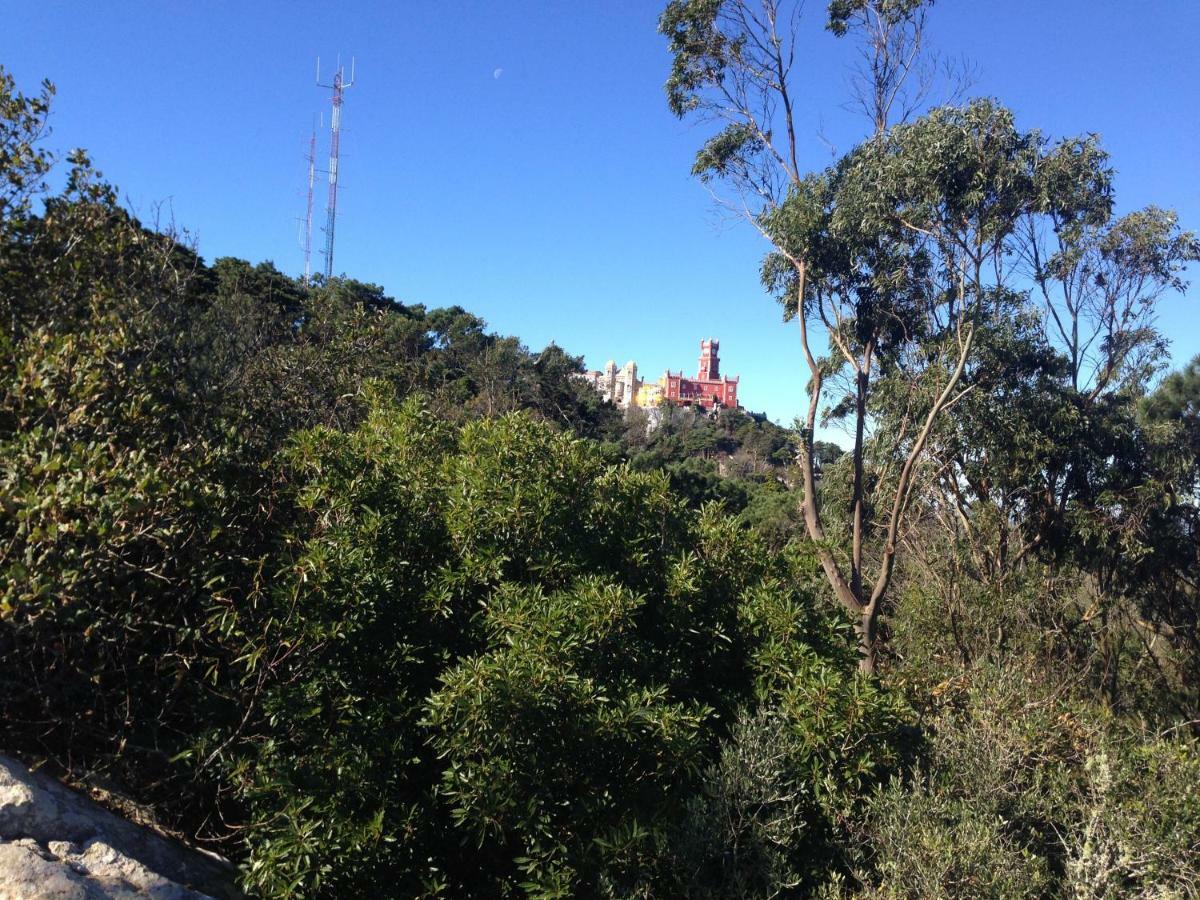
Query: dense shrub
column 1027, row 792
column 496, row 638
column 121, row 523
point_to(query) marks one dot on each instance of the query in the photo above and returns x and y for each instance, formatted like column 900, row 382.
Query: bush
column 517, row 662
column 1023, row 794
column 122, row 524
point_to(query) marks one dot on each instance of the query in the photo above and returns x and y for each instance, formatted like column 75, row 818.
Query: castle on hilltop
column 708, row 390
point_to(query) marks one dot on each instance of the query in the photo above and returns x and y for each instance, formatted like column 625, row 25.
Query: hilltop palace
column 709, row 389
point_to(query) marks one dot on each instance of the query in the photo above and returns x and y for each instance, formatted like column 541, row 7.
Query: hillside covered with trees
column 376, row 602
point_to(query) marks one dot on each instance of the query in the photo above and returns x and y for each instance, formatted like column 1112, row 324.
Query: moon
column 496, row 73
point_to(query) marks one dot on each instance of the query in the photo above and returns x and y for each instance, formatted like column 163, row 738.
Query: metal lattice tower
column 339, row 86
column 308, row 220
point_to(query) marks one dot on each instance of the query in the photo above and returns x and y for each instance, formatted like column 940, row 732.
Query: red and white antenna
column 339, row 86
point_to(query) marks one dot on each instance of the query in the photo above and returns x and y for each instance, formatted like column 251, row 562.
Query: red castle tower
column 710, row 362
column 709, row 388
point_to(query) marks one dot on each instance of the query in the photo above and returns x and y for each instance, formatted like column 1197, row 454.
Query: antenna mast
column 339, row 86
column 312, row 162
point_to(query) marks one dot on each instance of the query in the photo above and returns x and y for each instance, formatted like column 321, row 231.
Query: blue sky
column 553, row 200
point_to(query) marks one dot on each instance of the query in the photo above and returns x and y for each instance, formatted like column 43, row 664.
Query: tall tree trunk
column 868, row 638
column 858, row 501
column 849, row 592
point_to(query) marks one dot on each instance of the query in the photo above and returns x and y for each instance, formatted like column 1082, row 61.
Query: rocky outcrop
column 57, row 843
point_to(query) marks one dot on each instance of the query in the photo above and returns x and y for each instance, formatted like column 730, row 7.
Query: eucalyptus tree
column 734, row 64
column 1065, row 369
column 1050, row 454
column 898, row 254
column 1067, row 362
column 911, row 236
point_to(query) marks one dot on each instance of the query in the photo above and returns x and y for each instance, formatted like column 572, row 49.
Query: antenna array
column 339, row 86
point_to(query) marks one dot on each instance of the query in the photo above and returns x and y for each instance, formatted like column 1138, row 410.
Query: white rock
column 57, row 843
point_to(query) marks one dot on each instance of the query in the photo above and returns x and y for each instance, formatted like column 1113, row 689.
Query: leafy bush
column 1023, row 793
column 121, row 524
column 517, row 662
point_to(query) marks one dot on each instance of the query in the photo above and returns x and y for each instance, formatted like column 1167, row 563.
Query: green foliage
column 970, row 823
column 699, row 48
column 847, row 14
column 846, row 731
column 740, row 836
column 350, row 590
column 341, row 654
column 23, row 163
column 740, row 460
column 773, row 814
column 1027, row 792
column 120, row 524
column 568, row 735
column 725, row 150
column 495, row 637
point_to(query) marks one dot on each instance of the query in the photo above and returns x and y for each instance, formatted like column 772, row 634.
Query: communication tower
column 311, row 158
column 339, row 87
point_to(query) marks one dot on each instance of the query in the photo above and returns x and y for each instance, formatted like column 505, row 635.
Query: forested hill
column 378, row 603
column 739, row 459
column 279, row 343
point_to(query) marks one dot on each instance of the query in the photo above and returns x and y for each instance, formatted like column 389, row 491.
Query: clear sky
column 517, row 157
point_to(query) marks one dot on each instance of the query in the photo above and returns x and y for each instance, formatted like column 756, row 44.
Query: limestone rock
column 57, row 843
